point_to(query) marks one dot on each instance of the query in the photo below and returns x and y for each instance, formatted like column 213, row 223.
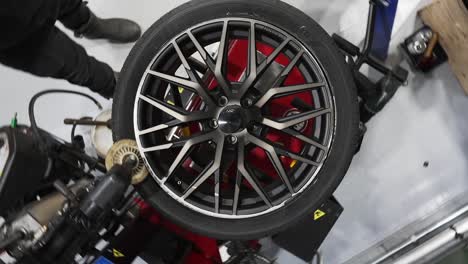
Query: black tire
column 313, row 38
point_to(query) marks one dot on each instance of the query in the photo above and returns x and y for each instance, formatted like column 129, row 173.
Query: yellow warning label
column 319, row 214
column 117, row 253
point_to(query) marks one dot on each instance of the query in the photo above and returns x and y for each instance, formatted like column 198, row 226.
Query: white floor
column 387, row 186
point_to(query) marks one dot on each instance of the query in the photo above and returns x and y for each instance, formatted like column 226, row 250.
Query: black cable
column 37, row 133
column 32, row 117
column 72, row 138
column 93, row 163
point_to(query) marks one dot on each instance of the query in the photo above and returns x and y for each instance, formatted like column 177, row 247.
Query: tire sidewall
column 317, row 41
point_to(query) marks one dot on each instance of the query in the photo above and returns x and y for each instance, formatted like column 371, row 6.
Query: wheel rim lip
column 330, row 137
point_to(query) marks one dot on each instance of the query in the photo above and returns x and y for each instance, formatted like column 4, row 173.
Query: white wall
column 387, row 186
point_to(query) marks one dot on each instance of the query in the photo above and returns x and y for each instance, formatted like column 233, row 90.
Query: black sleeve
column 19, row 19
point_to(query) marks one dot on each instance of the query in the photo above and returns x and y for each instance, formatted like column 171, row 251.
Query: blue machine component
column 103, row 260
column 384, row 20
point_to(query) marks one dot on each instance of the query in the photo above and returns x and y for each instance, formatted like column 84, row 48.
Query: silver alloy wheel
column 229, row 129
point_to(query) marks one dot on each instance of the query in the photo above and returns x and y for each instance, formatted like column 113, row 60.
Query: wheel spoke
column 312, row 141
column 197, row 65
column 294, row 156
column 285, row 91
column 227, row 161
column 272, row 57
column 212, row 65
column 221, row 59
column 216, row 190
column 183, row 142
column 284, row 74
column 279, row 150
column 252, row 180
column 160, row 127
column 181, row 115
column 273, row 156
column 306, row 139
column 152, row 129
column 203, row 53
column 183, row 154
column 190, row 85
column 252, row 51
column 200, row 89
column 209, row 170
column 290, row 121
column 254, row 76
column 251, row 63
column 186, row 144
column 237, row 187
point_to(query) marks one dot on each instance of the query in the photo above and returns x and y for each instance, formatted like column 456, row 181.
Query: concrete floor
column 387, row 186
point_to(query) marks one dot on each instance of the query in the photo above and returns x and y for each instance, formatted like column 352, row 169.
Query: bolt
column 300, row 126
column 253, row 128
column 248, row 102
column 232, row 139
column 223, row 101
column 214, row 123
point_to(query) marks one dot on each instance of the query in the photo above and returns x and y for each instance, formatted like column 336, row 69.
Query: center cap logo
column 232, row 119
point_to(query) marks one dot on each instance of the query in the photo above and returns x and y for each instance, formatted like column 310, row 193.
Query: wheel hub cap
column 232, row 119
